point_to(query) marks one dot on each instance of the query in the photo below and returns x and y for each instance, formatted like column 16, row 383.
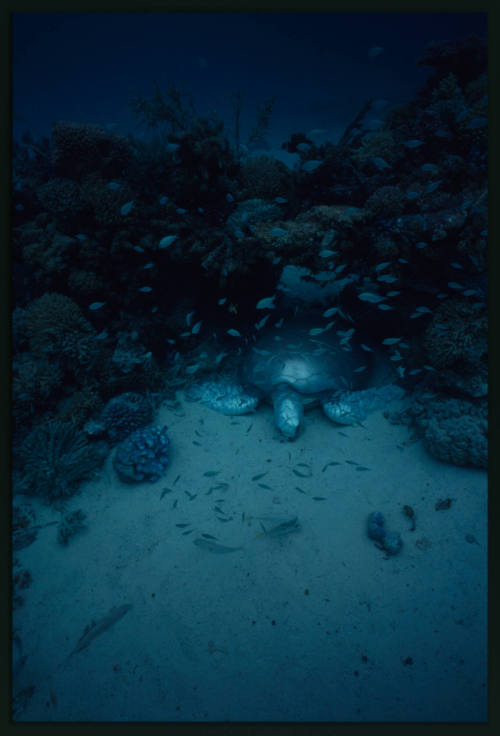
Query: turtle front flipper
column 351, row 407
column 223, row 396
column 288, row 410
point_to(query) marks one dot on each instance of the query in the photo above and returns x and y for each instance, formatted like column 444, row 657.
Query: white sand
column 199, row 642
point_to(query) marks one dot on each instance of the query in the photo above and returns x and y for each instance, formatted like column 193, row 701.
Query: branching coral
column 57, row 329
column 56, row 458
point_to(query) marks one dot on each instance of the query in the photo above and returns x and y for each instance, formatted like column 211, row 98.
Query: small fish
column 360, row 369
column 127, row 208
column 383, row 265
column 181, row 211
column 316, row 331
column 222, row 301
column 333, row 462
column 415, row 315
column 192, row 368
column 303, row 465
column 191, row 496
column 413, row 143
column 362, row 467
column 469, row 292
column 318, row 498
column 454, row 285
column 220, row 357
column 175, row 481
column 375, row 51
column 301, row 475
column 208, row 536
column 365, row 347
column 351, row 462
column 165, row 491
column 393, row 293
column 196, row 327
column 96, row 628
column 234, row 333
column 326, row 253
column 198, row 444
column 102, row 335
column 387, row 278
column 279, row 323
column 260, row 475
column 402, row 260
column 96, row 305
column 311, row 166
column 148, row 265
column 145, row 289
column 340, row 268
column 189, row 531
column 167, row 240
column 367, row 296
column 266, row 303
column 263, row 485
column 300, row 490
column 280, row 200
column 211, row 473
column 391, row 340
column 138, row 249
column 414, row 371
column 424, row 309
column 174, row 505
column 330, row 312
column 211, row 546
column 260, row 325
column 219, row 510
column 249, row 428
column 182, row 526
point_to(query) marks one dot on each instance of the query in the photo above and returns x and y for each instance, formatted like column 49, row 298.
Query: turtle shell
column 310, row 364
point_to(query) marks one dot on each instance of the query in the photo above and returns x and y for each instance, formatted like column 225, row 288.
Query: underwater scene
column 249, row 380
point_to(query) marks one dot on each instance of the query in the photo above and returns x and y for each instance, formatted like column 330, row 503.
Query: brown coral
column 264, row 177
column 56, row 328
column 457, row 333
column 79, row 149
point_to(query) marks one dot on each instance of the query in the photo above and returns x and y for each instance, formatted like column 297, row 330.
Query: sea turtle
column 300, row 366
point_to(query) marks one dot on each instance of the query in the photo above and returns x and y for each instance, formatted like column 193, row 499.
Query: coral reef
column 79, row 149
column 55, row 458
column 142, row 456
column 454, row 430
column 125, row 413
column 457, row 333
column 263, row 177
column 57, row 330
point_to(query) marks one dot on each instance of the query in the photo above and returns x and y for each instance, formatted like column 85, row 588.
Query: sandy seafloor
column 314, row 626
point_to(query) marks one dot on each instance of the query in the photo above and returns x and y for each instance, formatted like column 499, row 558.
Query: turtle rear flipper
column 352, row 407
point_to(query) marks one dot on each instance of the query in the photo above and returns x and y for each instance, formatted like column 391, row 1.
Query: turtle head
column 288, row 411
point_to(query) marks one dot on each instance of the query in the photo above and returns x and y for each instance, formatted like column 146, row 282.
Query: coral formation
column 79, row 149
column 55, row 458
column 57, row 330
column 457, row 333
column 454, row 430
column 125, row 413
column 142, row 456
